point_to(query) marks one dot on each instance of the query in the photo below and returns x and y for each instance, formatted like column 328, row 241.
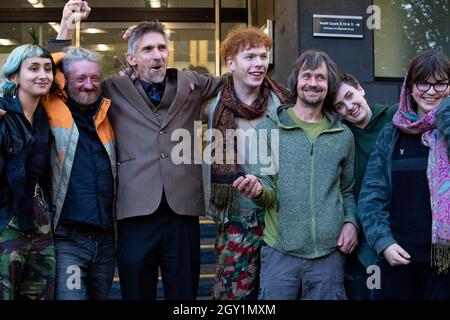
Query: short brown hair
column 242, row 38
column 346, row 78
column 349, row 79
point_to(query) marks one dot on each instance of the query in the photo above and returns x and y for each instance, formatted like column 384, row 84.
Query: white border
column 337, row 35
column 337, row 17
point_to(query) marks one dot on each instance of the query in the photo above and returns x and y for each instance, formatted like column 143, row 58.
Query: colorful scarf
column 224, row 118
column 438, row 174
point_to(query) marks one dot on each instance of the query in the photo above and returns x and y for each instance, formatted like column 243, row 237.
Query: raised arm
column 74, row 11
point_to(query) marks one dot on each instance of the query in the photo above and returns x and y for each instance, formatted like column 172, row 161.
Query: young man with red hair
column 247, row 96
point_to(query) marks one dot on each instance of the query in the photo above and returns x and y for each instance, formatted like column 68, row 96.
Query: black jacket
column 17, row 145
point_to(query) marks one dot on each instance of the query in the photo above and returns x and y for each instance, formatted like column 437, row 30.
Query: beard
column 311, row 104
column 83, row 100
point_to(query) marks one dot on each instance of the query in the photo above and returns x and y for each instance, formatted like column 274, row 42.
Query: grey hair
column 142, row 29
column 74, row 54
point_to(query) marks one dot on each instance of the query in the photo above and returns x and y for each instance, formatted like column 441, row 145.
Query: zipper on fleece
column 312, row 206
column 311, row 188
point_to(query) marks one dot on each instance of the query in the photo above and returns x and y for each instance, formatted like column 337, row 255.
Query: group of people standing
column 87, row 177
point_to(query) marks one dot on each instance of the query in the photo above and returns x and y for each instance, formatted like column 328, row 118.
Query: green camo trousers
column 27, row 260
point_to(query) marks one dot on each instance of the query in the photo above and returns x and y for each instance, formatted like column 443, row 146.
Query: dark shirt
column 90, row 193
column 365, row 139
column 155, row 91
column 410, row 213
column 25, row 159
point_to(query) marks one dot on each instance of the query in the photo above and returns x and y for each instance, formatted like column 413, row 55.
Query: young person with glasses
column 404, row 200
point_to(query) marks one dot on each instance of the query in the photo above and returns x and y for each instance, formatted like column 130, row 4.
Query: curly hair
column 243, row 38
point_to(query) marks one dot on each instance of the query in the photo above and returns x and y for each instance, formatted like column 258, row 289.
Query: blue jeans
column 85, row 263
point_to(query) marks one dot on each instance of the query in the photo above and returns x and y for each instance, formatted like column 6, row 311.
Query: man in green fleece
column 366, row 123
column 308, row 196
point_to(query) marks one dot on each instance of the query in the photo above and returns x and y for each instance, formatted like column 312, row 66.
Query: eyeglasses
column 425, row 86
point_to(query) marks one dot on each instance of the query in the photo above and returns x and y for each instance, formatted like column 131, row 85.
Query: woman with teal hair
column 27, row 255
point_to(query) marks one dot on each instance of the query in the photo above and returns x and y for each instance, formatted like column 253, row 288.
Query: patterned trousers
column 27, row 259
column 237, row 261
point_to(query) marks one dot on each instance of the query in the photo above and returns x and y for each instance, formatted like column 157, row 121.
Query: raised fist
column 75, row 11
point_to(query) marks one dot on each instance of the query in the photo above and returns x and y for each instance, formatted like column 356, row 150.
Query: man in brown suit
column 157, row 201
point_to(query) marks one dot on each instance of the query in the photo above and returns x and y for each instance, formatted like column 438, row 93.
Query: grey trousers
column 285, row 277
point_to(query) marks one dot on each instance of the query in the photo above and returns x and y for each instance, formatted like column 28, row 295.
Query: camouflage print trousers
column 27, row 260
column 238, row 248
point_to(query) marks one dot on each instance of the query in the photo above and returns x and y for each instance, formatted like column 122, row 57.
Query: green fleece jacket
column 308, row 191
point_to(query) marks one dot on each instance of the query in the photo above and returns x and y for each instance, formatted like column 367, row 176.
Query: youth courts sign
column 337, row 26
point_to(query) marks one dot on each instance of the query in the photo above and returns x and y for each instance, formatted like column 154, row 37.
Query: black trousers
column 162, row 240
column 416, row 281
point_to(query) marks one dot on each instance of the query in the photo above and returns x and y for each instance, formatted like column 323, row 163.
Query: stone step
column 207, row 254
column 208, row 231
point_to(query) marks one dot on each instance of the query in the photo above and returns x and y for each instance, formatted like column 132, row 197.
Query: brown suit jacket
column 144, row 143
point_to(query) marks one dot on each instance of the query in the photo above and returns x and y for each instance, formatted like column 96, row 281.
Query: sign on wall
column 337, row 26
